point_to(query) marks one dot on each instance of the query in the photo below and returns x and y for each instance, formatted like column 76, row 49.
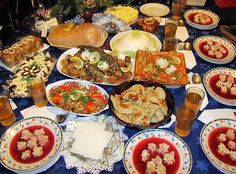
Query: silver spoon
column 60, row 118
column 196, row 78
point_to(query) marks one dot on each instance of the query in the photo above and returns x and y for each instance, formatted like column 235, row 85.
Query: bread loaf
column 70, row 35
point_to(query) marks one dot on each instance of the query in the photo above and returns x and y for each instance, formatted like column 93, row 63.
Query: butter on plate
column 90, row 139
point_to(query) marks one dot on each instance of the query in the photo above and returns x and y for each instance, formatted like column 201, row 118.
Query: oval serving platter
column 209, row 81
column 215, row 19
column 82, row 83
column 204, row 137
column 227, row 44
column 182, row 148
column 73, row 51
column 128, row 84
column 10, row 163
column 154, row 9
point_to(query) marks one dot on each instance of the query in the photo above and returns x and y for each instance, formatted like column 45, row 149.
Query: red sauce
column 191, row 18
column 213, row 143
column 16, row 154
column 141, row 166
column 205, row 52
column 217, row 90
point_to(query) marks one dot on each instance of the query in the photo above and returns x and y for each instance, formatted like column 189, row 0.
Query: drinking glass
column 38, row 93
column 170, row 28
column 7, row 116
column 185, row 117
column 176, row 9
column 194, row 98
column 170, row 44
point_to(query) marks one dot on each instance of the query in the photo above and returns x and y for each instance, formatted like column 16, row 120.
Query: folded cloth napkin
column 45, row 111
column 225, row 3
column 229, row 31
column 189, row 57
column 213, row 114
column 205, row 100
column 182, row 33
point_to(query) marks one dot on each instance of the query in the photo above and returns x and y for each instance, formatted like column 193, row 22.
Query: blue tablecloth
column 200, row 162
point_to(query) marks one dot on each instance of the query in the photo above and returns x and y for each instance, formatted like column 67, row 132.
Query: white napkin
column 189, row 57
column 205, row 100
column 173, row 118
column 2, row 64
column 45, row 111
column 13, row 105
column 182, row 33
column 163, row 21
column 212, row 114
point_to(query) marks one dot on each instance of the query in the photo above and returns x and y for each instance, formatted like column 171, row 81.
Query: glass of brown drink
column 170, row 44
column 7, row 117
column 38, row 93
column 194, row 98
column 170, row 28
column 176, row 9
column 185, row 117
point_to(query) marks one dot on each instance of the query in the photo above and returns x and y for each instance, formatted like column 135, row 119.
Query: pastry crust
column 12, row 55
column 70, row 35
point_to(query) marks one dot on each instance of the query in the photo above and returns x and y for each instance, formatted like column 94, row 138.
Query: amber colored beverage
column 170, row 44
column 194, row 98
column 170, row 29
column 7, row 117
column 38, row 93
column 184, row 119
column 176, row 9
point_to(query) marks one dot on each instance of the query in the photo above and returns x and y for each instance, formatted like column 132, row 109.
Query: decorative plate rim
column 204, row 143
column 83, row 82
column 152, row 133
column 157, row 5
column 73, row 51
column 20, row 125
column 215, row 96
column 231, row 49
column 117, row 36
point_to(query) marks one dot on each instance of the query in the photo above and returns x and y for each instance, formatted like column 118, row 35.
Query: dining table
column 200, row 163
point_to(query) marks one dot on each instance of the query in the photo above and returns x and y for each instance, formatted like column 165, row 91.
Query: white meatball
column 21, row 145
column 37, row 151
column 151, row 167
column 222, row 137
column 232, row 155
column 230, row 79
column 211, row 53
column 218, row 54
column 163, row 148
column 157, row 160
column 26, row 154
column 145, row 155
column 210, row 43
column 222, row 77
column 169, row 158
column 219, row 83
column 160, row 169
column 230, row 134
column 206, row 47
column 233, row 90
column 223, row 50
column 222, row 149
column 228, row 85
column 231, row 145
column 26, row 135
column 223, row 89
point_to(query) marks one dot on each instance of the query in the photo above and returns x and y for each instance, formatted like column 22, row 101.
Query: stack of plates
column 188, row 15
column 9, row 153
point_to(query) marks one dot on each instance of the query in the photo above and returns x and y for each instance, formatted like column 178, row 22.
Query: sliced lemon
column 76, row 95
column 79, row 64
column 127, row 69
column 74, row 58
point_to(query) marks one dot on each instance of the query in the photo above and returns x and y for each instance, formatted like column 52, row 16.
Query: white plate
column 204, row 135
column 206, row 81
column 184, row 152
column 154, row 9
column 128, row 42
column 73, row 51
column 6, row 158
column 227, row 44
column 213, row 16
column 82, row 83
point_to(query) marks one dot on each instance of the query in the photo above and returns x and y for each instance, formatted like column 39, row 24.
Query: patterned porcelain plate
column 154, row 9
column 201, row 41
column 210, row 79
column 165, row 136
column 188, row 15
column 7, row 155
column 204, row 136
